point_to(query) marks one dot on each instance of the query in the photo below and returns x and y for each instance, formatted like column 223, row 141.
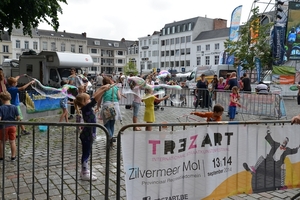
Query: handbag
column 109, row 111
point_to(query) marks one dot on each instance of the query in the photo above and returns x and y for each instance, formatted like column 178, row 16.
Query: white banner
column 210, row 162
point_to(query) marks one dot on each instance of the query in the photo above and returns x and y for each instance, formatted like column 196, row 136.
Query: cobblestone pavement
column 69, row 188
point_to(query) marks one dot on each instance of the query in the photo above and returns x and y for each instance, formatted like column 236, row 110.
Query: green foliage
column 247, row 48
column 28, row 14
column 129, row 68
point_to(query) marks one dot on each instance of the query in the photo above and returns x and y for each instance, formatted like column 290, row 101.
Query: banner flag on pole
column 234, row 28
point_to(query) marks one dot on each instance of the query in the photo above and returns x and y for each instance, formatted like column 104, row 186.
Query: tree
column 254, row 42
column 28, row 14
column 129, row 68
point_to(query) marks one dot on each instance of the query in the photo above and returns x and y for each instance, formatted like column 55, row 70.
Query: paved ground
column 38, row 185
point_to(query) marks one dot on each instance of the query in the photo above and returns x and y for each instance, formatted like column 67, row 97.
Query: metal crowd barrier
column 172, row 127
column 268, row 105
column 48, row 163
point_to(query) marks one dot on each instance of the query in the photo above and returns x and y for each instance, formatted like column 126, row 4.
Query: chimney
column 220, row 23
column 84, row 34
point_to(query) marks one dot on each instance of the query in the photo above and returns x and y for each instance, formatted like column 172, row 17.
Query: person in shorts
column 8, row 112
column 15, row 100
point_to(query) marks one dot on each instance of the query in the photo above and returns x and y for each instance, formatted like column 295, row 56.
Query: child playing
column 8, row 112
column 14, row 92
column 234, row 98
column 214, row 116
column 64, row 106
column 149, row 99
column 88, row 134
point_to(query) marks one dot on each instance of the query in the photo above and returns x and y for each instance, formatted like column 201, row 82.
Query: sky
column 132, row 19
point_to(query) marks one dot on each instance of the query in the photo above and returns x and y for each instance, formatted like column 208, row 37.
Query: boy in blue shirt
column 14, row 92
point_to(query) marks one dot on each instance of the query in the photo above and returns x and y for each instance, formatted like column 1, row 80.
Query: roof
column 186, row 21
column 109, row 43
column 62, row 34
column 213, row 34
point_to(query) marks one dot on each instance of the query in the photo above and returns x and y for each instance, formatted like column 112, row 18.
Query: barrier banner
column 210, row 162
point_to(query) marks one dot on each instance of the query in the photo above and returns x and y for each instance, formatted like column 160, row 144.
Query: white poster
column 210, row 162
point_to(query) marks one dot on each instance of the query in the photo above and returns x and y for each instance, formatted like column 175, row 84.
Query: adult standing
column 202, row 92
column 246, row 83
column 231, row 82
column 76, row 81
column 99, row 80
column 111, row 96
column 2, row 83
column 136, row 103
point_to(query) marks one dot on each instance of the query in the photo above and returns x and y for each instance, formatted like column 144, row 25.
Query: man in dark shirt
column 246, row 83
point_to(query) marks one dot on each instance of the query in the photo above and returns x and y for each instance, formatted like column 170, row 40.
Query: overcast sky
column 131, row 19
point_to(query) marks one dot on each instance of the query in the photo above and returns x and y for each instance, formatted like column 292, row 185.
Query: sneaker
column 24, row 132
column 85, row 176
column 88, row 171
column 13, row 159
column 71, row 117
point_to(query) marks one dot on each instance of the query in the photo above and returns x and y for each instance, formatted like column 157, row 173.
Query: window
column 177, row 52
column 93, row 50
column 172, row 64
column 182, row 39
column 45, row 46
column 167, row 64
column 145, row 42
column 164, row 31
column 94, row 59
column 167, row 53
column 207, row 47
column 199, row 60
column 26, row 45
column 172, row 52
column 5, row 48
column 155, row 41
column 149, row 54
column 120, row 61
column 190, row 26
column 176, row 63
column 178, row 29
column 154, row 53
column 188, row 38
column 162, row 43
column 18, row 44
column 18, row 56
column 145, row 54
column 216, row 60
column 177, row 40
column 188, row 51
column 80, row 49
column 217, row 46
column 168, row 30
column 63, row 47
column 53, row 48
column 207, row 60
column 162, row 64
column 120, row 53
column 184, row 27
column 182, row 63
column 173, row 29
column 35, row 45
column 172, row 41
column 162, row 53
column 182, row 51
column 167, row 41
column 199, row 48
column 96, row 42
column 73, row 48
column 187, row 63
column 116, row 44
column 149, row 41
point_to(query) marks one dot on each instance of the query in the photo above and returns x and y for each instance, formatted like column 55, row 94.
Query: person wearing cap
column 202, row 92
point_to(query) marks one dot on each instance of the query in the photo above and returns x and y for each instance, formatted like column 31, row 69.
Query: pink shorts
column 10, row 133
